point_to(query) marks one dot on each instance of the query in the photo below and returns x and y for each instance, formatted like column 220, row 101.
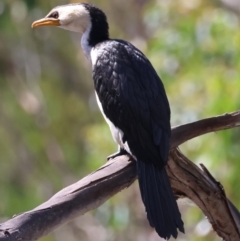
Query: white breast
column 117, row 134
column 92, row 54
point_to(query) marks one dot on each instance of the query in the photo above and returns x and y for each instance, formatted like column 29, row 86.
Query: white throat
column 85, row 43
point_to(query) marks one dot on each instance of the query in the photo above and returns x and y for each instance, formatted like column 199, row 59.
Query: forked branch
column 187, row 180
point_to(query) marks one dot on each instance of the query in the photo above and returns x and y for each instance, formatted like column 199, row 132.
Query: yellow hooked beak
column 46, row 22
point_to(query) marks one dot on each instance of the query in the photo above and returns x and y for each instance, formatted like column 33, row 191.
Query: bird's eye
column 54, row 15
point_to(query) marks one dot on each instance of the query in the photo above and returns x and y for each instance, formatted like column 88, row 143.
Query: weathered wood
column 186, row 132
column 187, row 180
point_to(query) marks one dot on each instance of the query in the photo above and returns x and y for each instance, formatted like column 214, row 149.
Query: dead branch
column 183, row 133
column 187, row 180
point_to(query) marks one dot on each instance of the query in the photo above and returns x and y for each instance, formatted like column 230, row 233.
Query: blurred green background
column 52, row 133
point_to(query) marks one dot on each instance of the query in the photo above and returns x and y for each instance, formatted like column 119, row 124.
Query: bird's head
column 73, row 17
column 77, row 17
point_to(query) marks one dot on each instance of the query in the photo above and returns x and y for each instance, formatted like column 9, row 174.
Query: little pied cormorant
column 133, row 102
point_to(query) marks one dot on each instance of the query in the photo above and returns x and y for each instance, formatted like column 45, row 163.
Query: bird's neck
column 85, row 43
column 92, row 36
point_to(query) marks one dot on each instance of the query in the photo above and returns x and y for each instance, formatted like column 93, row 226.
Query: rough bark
column 187, row 180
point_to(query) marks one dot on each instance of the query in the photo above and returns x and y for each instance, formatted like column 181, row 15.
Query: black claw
column 116, row 154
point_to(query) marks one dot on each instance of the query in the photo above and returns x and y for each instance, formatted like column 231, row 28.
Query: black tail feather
column 161, row 207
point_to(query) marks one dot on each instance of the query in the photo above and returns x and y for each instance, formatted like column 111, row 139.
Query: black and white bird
column 133, row 102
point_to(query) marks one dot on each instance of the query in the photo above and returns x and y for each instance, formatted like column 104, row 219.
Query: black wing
column 134, row 99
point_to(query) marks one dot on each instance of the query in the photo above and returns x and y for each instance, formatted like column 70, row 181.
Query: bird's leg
column 118, row 153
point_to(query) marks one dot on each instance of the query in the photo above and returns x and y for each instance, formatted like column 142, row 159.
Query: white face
column 73, row 17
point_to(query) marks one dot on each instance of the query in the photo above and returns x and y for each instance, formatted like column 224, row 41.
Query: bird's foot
column 116, row 154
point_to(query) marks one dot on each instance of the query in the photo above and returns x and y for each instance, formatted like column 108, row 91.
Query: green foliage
column 52, row 134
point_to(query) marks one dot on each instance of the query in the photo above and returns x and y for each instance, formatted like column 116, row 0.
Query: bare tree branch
column 183, row 133
column 72, row 201
column 186, row 178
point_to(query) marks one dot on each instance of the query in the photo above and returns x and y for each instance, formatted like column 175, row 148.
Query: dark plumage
column 99, row 31
column 134, row 100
